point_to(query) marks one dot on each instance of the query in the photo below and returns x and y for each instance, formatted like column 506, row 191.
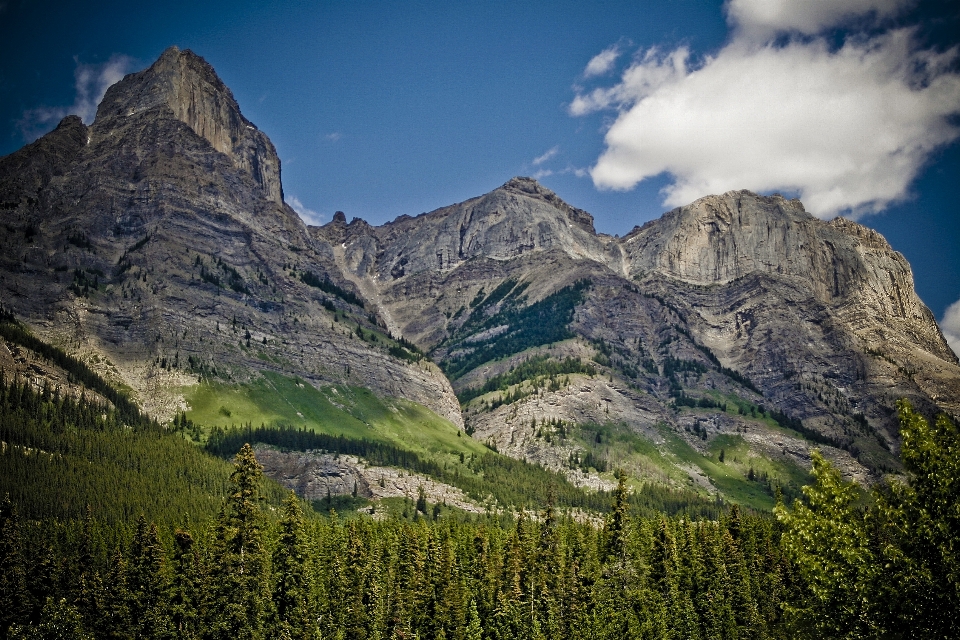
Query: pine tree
column 474, row 629
column 292, row 571
column 185, row 587
column 615, row 530
column 14, row 595
column 59, row 620
column 148, row 583
column 115, row 621
column 242, row 563
column 421, row 500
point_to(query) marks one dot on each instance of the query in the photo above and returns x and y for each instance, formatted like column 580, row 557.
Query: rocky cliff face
column 836, row 282
column 520, row 217
column 157, row 240
column 187, row 86
column 819, row 320
column 155, row 243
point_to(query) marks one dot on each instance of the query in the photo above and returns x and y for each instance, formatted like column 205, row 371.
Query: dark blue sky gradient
column 381, row 108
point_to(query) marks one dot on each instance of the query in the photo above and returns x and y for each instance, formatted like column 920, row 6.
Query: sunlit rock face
column 183, row 85
column 156, row 245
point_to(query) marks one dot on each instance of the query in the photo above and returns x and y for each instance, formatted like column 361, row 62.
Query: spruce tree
column 185, row 588
column 292, row 571
column 615, row 530
column 115, row 620
column 59, row 620
column 148, row 583
column 14, row 595
column 242, row 564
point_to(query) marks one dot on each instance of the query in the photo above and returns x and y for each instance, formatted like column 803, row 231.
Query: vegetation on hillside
column 543, row 322
column 535, row 369
column 834, row 567
column 510, row 483
column 13, row 330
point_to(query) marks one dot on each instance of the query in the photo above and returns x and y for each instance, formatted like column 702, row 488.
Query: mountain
column 711, row 348
column 167, row 217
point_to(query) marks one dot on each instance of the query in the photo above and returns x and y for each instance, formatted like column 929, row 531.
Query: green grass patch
column 345, row 506
column 339, row 410
column 731, row 477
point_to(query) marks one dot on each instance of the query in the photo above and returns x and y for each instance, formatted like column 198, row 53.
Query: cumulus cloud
column 309, row 216
column 602, row 62
column 91, row 81
column 847, row 128
column 950, row 325
column 763, row 18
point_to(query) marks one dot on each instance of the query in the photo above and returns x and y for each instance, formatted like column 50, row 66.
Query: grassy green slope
column 352, row 412
column 611, row 446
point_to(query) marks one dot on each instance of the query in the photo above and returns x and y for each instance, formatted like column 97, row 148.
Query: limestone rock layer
column 155, row 244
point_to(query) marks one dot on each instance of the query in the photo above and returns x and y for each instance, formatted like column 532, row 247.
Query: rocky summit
column 155, row 245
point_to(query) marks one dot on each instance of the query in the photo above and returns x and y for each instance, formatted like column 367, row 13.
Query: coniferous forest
column 237, row 560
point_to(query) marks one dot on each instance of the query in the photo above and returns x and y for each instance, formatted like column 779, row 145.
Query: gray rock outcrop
column 156, row 245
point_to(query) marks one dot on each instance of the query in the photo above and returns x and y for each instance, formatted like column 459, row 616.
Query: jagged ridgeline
column 707, row 351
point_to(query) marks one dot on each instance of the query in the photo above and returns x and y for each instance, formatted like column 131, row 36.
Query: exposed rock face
column 187, row 85
column 156, row 243
column 787, row 288
column 821, row 318
column 520, row 217
column 312, row 475
column 25, row 172
column 157, row 240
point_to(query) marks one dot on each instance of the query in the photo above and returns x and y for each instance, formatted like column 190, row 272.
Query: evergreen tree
column 615, row 530
column 292, row 571
column 242, row 564
column 59, row 620
column 15, row 598
column 148, row 583
column 186, row 586
column 474, row 629
column 115, row 620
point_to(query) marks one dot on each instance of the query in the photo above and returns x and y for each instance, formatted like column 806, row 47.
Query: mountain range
column 716, row 344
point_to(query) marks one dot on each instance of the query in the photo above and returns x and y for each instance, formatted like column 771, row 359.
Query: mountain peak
column 182, row 84
column 529, row 187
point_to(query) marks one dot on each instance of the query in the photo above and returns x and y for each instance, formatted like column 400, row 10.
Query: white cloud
column 333, row 137
column 763, row 18
column 546, row 156
column 91, row 81
column 309, row 216
column 950, row 325
column 602, row 62
column 846, row 128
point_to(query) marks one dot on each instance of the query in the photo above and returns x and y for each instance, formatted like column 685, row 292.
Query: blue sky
column 625, row 109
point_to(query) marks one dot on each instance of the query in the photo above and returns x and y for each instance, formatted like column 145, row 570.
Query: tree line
column 247, row 575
